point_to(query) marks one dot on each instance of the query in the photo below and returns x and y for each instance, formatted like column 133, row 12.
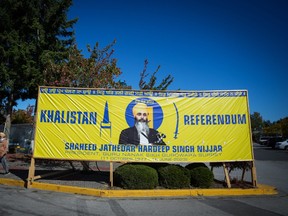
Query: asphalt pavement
column 271, row 166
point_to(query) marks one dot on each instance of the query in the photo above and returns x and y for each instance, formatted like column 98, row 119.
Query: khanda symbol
column 105, row 123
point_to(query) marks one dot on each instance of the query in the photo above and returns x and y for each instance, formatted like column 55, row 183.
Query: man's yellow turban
column 139, row 108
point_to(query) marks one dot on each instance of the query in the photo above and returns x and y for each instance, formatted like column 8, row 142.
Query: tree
column 151, row 84
column 2, row 115
column 32, row 32
column 98, row 71
column 284, row 127
column 21, row 117
column 256, row 121
column 256, row 125
column 278, row 128
column 273, row 130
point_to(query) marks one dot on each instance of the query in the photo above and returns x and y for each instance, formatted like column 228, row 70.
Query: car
column 273, row 140
column 282, row 145
column 263, row 140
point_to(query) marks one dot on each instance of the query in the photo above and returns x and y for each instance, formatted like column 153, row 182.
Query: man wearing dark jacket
column 140, row 133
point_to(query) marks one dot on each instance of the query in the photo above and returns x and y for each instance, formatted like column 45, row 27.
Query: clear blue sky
column 204, row 45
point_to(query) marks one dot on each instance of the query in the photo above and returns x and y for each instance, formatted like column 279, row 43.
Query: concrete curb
column 260, row 190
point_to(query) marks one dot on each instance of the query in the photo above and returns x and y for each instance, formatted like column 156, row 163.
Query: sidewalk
column 96, row 182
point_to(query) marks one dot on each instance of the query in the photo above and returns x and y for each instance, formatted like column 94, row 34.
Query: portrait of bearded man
column 140, row 133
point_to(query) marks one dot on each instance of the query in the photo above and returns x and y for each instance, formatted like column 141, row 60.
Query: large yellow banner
column 154, row 126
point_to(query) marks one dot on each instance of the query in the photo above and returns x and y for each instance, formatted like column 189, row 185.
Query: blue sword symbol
column 177, row 122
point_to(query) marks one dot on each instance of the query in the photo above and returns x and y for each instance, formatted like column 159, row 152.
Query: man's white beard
column 142, row 127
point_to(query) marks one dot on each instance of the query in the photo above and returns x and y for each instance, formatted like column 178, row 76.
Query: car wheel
column 286, row 148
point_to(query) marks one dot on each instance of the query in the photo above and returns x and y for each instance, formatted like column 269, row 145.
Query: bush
column 201, row 177
column 174, row 176
column 136, row 176
column 194, row 165
column 155, row 166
